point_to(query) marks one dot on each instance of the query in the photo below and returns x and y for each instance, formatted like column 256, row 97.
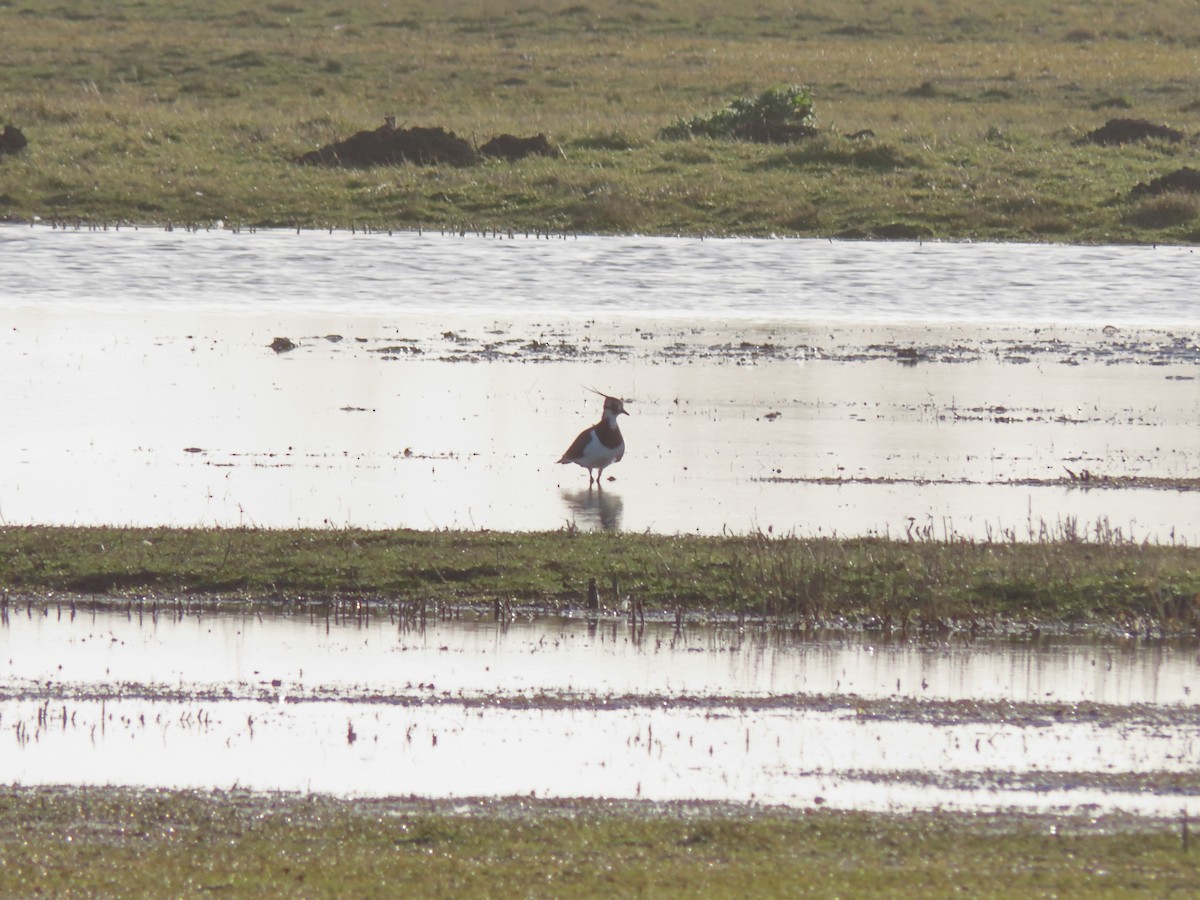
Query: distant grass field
column 191, row 112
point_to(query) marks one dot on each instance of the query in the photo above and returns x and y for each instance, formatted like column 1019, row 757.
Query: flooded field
column 191, row 419
column 566, row 707
column 795, row 386
column 431, row 381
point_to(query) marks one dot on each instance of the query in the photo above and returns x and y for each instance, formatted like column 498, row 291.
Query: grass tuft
column 617, row 141
column 1168, row 210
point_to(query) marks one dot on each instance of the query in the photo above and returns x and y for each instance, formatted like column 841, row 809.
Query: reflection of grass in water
column 925, row 580
column 133, row 843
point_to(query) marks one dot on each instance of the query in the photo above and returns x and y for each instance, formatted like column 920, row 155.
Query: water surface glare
column 564, row 707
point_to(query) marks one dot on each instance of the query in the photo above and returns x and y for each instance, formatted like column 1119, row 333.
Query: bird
column 601, row 445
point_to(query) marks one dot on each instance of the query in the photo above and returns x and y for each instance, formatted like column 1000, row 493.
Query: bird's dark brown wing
column 577, row 446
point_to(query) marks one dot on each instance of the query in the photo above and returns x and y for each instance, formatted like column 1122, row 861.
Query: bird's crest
column 615, row 404
column 607, row 396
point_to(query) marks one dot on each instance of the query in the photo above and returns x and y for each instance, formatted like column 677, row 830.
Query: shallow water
column 563, row 707
column 190, row 419
column 787, row 757
column 407, row 274
column 305, row 656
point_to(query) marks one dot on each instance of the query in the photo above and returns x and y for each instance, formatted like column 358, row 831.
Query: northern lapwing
column 601, row 445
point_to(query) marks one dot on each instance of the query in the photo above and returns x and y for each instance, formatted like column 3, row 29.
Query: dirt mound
column 388, row 145
column 1181, row 181
column 12, row 140
column 511, row 147
column 1128, row 131
column 392, row 146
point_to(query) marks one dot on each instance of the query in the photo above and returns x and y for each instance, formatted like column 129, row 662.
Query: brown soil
column 1128, row 131
column 12, row 140
column 1181, row 181
column 511, row 147
column 391, row 146
column 388, row 145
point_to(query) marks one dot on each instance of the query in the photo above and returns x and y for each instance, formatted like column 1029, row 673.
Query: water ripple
column 784, row 280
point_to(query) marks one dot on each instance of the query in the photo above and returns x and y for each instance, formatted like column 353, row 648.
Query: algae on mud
column 915, row 585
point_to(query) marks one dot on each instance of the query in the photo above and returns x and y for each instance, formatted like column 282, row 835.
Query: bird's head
column 614, row 407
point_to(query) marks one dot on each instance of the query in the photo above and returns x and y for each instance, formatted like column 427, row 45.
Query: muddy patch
column 12, row 140
column 1084, row 481
column 391, row 146
column 1181, row 181
column 1116, row 132
column 669, row 343
column 388, row 145
column 511, row 148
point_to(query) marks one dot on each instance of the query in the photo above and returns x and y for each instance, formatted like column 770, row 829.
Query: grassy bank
column 192, row 112
column 112, row 842
column 1062, row 577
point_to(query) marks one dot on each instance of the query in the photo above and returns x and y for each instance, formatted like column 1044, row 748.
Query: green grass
column 902, row 585
column 192, row 112
column 113, row 842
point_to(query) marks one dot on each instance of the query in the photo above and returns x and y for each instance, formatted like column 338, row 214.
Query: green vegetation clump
column 778, row 115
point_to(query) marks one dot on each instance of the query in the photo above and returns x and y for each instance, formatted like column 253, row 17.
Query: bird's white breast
column 596, row 454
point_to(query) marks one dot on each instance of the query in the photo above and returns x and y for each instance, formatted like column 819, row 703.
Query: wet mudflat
column 567, row 707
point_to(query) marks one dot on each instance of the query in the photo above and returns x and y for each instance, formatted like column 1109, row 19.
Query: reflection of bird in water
column 595, row 508
column 601, row 445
